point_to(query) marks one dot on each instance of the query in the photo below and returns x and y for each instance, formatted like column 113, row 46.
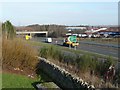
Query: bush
column 51, row 52
column 106, row 64
column 83, row 63
column 43, row 52
column 86, row 63
column 69, row 59
column 18, row 54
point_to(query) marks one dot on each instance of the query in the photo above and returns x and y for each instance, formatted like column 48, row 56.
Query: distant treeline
column 53, row 30
column 59, row 30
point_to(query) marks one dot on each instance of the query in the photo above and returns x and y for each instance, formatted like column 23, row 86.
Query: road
column 96, row 48
column 110, row 50
column 99, row 49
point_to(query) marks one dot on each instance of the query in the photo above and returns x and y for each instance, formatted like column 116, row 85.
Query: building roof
column 75, row 27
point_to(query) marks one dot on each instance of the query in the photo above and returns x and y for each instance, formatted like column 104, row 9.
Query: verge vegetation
column 16, row 81
column 84, row 65
column 18, row 54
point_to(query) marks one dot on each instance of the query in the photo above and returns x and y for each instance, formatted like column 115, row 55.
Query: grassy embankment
column 11, row 80
column 16, row 81
column 19, row 55
column 79, row 65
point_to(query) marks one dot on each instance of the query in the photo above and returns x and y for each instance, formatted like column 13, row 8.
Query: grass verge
column 10, row 80
column 16, row 81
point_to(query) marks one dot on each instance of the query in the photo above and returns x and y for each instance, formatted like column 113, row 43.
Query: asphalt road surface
column 95, row 48
column 99, row 49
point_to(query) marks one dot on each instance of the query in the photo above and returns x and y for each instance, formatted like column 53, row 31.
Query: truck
column 48, row 40
column 28, row 37
column 70, row 41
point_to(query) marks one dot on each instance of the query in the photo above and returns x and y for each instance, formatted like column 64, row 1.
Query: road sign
column 72, row 38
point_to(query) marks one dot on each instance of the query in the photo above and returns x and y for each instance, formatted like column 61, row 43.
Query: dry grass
column 17, row 53
column 95, row 80
column 80, row 66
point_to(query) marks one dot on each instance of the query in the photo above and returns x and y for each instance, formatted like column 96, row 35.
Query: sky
column 65, row 13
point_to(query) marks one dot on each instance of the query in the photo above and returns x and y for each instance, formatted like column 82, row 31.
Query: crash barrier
column 63, row 78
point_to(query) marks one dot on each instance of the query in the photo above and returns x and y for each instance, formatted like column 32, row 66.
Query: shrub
column 87, row 63
column 106, row 64
column 69, row 59
column 43, row 52
column 83, row 63
column 51, row 52
column 103, row 65
column 17, row 53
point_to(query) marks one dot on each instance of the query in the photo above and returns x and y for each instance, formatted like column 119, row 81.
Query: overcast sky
column 68, row 13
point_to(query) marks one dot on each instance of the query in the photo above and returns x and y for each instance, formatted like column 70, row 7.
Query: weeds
column 83, row 63
column 51, row 52
column 18, row 54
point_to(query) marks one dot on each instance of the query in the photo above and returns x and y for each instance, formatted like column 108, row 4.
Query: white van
column 48, row 40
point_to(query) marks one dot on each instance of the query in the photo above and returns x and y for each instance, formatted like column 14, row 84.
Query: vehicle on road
column 48, row 40
column 28, row 37
column 70, row 41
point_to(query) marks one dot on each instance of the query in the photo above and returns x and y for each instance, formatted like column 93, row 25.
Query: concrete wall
column 61, row 77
